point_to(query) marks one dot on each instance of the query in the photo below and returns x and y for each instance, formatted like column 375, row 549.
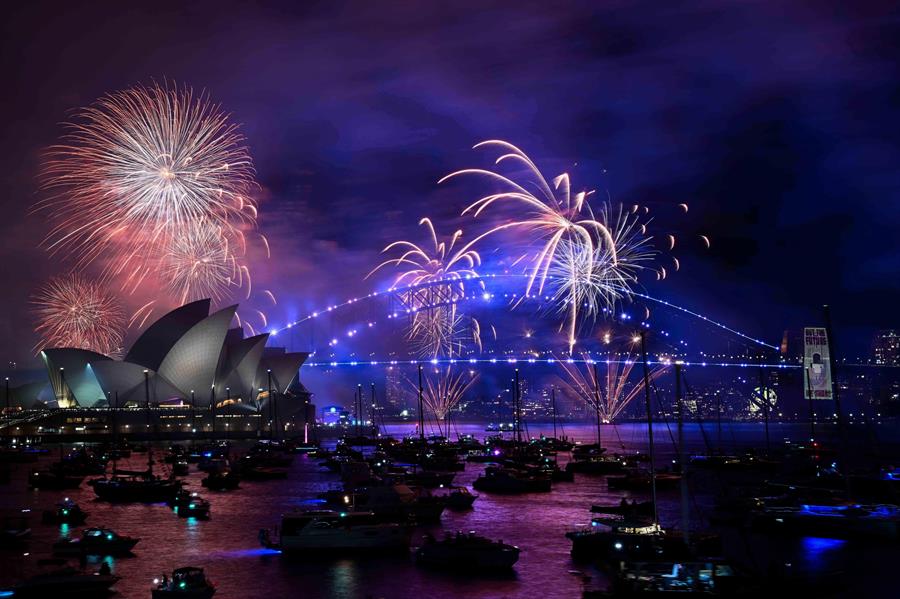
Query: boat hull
column 365, row 538
column 436, row 556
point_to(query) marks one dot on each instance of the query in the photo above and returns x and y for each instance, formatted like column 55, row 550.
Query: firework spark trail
column 137, row 168
column 596, row 282
column 142, row 313
column 198, row 263
column 581, row 250
column 554, row 216
column 610, row 394
column 443, row 392
column 435, row 329
column 423, row 265
column 72, row 311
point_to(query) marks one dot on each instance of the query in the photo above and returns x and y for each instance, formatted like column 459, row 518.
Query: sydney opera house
column 188, row 361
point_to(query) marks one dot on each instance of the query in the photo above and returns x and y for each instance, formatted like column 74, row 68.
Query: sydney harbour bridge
column 326, row 354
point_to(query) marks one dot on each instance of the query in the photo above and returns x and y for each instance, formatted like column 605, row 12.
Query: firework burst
column 198, row 263
column 553, row 214
column 580, row 249
column 72, row 311
column 608, row 394
column 585, row 281
column 139, row 167
column 433, row 277
column 443, row 391
column 421, row 264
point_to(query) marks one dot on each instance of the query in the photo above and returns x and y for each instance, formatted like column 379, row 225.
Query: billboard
column 816, row 364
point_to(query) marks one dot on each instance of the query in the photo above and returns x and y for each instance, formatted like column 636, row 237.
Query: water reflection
column 261, row 551
column 344, row 576
column 819, row 554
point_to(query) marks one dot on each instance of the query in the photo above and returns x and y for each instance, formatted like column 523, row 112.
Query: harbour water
column 227, row 546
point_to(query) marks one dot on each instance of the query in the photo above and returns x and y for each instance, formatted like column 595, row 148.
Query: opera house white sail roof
column 188, row 355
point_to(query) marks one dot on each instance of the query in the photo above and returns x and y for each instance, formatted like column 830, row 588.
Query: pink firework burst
column 72, row 311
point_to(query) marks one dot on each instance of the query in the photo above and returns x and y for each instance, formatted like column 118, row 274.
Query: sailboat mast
column 553, row 404
column 597, row 405
column 147, row 407
column 421, row 408
column 643, row 337
column 358, row 405
column 518, row 422
column 812, row 412
column 115, row 434
column 832, row 365
column 682, row 455
column 764, row 395
column 374, row 426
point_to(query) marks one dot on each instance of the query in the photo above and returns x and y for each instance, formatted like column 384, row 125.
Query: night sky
column 775, row 121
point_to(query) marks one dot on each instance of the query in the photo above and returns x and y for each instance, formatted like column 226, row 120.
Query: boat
column 635, row 508
column 511, row 482
column 190, row 505
column 879, row 522
column 96, row 541
column 747, row 461
column 186, row 583
column 329, row 530
column 389, row 503
column 460, row 498
column 596, row 464
column 547, row 466
column 222, row 481
column 429, row 479
column 54, row 480
column 639, row 480
column 15, row 530
column 81, row 461
column 614, row 539
column 618, row 539
column 677, row 578
column 140, row 487
column 181, row 467
column 305, row 448
column 212, row 464
column 359, row 440
column 555, row 443
column 485, row 456
column 116, row 450
column 264, row 472
column 20, row 454
column 66, row 512
column 467, row 551
column 175, row 453
column 65, row 582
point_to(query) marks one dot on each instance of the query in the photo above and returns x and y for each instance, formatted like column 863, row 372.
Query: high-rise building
column 886, row 348
column 395, row 392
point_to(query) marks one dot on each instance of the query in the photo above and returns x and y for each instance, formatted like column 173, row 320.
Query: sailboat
column 617, row 538
column 138, row 486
